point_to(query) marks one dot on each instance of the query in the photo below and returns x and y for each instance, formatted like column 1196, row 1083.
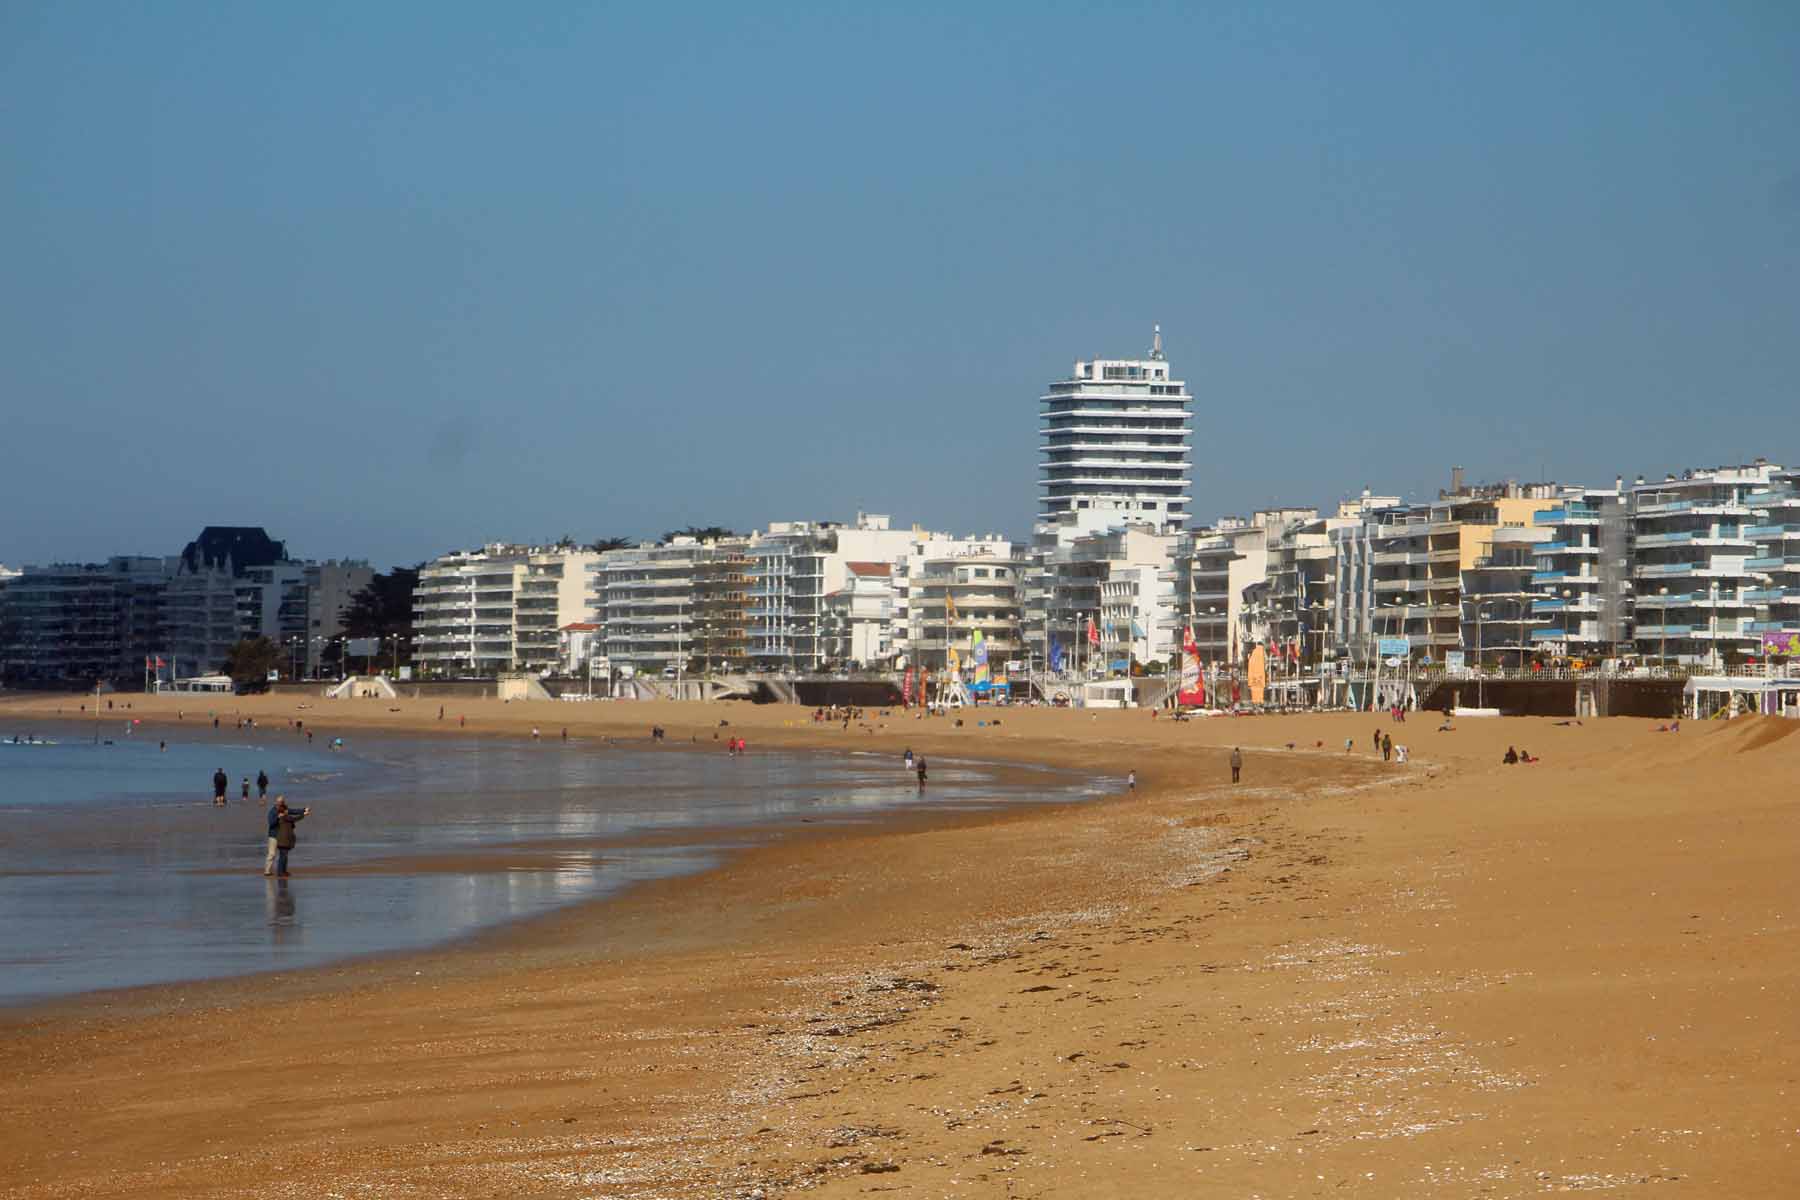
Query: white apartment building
column 1067, row 589
column 1115, row 436
column 1500, row 600
column 958, row 596
column 1777, row 561
column 482, row 612
column 1582, row 578
column 859, row 617
column 793, row 566
column 1201, row 598
column 551, row 591
column 1692, row 574
column 924, row 549
column 680, row 605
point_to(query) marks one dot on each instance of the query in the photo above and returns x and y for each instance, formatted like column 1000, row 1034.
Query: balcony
column 1774, row 562
column 1664, row 570
column 1663, row 507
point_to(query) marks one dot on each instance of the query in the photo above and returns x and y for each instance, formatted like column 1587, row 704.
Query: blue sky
column 396, row 278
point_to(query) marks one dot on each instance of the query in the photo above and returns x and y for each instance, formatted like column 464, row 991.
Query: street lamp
column 1481, row 614
column 1712, row 624
column 1662, row 654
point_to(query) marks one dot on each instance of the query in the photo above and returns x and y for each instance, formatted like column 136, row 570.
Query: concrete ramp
column 522, row 687
column 363, row 686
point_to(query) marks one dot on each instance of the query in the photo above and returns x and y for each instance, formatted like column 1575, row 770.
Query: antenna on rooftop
column 1156, row 343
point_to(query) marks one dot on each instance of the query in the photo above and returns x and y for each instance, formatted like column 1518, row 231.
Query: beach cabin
column 198, row 683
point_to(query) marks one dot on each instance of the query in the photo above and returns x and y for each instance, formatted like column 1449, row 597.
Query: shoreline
column 1430, row 980
column 717, row 843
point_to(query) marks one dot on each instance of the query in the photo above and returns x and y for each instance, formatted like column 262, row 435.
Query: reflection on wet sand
column 278, row 902
column 412, row 842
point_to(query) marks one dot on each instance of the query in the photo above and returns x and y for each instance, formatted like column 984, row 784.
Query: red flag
column 160, row 664
column 1093, row 633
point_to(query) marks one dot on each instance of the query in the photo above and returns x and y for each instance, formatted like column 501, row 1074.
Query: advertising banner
column 1390, row 646
column 1259, row 675
column 1781, row 645
column 1192, row 692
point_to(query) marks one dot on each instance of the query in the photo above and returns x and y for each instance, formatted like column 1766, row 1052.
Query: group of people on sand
column 1518, row 756
column 735, row 746
column 1384, row 746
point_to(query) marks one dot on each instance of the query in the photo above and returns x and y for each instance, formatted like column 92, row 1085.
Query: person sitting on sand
column 1525, row 757
column 1512, row 756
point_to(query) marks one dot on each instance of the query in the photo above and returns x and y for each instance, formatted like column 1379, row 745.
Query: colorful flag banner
column 1192, row 693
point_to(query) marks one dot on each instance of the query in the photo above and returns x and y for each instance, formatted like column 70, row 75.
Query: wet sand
column 1340, row 977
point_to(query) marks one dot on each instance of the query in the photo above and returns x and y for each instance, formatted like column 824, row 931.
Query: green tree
column 251, row 660
column 611, row 543
column 384, row 607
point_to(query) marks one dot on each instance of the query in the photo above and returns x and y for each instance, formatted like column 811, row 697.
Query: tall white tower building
column 1115, row 438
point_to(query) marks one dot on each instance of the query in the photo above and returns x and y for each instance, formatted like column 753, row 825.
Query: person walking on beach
column 919, row 767
column 274, row 829
column 1237, row 763
column 221, row 781
column 1378, row 739
column 1131, row 781
column 245, row 794
column 1387, row 747
column 262, row 785
column 285, row 836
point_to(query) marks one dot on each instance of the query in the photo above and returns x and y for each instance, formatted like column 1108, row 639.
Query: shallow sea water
column 116, row 869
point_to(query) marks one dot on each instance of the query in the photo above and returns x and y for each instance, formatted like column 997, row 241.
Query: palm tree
column 700, row 533
column 611, row 543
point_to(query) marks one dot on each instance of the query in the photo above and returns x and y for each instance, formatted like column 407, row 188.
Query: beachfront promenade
column 1453, row 977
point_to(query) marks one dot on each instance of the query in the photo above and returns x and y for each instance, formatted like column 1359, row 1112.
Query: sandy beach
column 1339, row 977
